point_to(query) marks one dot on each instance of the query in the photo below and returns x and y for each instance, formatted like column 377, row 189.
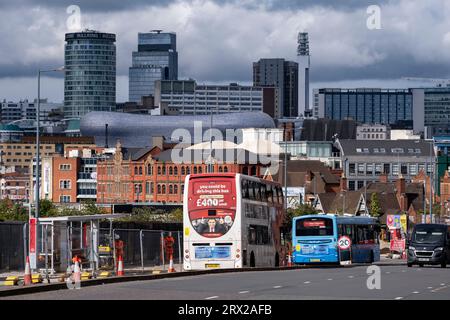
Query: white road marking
column 398, row 298
column 306, row 282
column 442, row 284
column 439, row 288
column 241, row 292
column 351, row 277
column 330, row 279
column 388, row 272
column 277, row 287
column 403, row 270
column 429, row 287
column 415, row 292
column 213, row 297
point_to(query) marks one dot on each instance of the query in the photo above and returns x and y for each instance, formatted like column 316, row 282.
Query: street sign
column 344, row 242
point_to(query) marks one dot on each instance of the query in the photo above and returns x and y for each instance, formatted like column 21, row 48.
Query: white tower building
column 303, row 72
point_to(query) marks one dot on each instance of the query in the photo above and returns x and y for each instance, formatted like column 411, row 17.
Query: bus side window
column 348, row 230
column 244, row 187
column 280, row 195
column 263, row 193
column 269, row 194
column 251, row 188
column 258, row 191
column 251, row 235
column 340, row 230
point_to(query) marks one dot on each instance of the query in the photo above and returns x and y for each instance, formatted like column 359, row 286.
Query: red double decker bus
column 232, row 221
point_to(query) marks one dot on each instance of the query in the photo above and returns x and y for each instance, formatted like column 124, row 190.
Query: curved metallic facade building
column 137, row 130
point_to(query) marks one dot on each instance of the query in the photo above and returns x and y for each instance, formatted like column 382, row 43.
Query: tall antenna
column 303, row 44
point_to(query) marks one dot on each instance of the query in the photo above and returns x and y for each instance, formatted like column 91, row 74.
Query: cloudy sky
column 219, row 39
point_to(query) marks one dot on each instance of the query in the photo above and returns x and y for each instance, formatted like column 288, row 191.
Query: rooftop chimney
column 383, row 178
column 400, row 185
column 343, row 185
column 158, row 142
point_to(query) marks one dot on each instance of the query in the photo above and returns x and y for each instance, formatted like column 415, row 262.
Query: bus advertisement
column 230, row 221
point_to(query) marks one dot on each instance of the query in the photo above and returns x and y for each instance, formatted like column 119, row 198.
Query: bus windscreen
column 314, row 227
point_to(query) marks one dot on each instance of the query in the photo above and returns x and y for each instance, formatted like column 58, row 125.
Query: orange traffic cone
column 289, row 263
column 120, row 267
column 27, row 276
column 76, row 272
column 171, row 268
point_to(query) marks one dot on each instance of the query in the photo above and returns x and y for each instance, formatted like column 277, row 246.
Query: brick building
column 72, row 177
column 21, row 154
column 150, row 175
column 15, row 186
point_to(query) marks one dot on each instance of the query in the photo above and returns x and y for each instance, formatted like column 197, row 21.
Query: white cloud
column 218, row 42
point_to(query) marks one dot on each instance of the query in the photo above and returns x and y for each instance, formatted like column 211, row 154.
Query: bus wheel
column 277, row 260
column 252, row 260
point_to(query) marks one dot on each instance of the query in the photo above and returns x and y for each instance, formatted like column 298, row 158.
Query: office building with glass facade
column 90, row 73
column 381, row 106
column 156, row 59
column 282, row 75
column 436, row 106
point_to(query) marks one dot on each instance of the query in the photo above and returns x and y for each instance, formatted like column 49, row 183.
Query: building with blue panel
column 381, row 106
column 156, row 59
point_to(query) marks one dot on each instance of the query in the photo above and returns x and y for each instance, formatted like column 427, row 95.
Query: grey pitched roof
column 369, row 147
column 297, row 170
column 335, row 202
column 239, row 156
column 140, row 153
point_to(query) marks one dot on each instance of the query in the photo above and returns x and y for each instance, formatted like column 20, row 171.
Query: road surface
column 398, row 282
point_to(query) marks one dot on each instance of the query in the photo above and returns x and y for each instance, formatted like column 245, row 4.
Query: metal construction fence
column 12, row 246
column 147, row 248
column 98, row 249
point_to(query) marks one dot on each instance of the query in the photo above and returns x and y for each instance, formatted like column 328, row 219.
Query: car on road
column 429, row 244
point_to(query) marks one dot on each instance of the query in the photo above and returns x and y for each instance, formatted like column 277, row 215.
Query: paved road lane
column 397, row 282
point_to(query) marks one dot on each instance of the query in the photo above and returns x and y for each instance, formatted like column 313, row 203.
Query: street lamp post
column 38, row 151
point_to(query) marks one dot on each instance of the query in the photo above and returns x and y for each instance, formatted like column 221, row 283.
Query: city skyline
column 413, row 40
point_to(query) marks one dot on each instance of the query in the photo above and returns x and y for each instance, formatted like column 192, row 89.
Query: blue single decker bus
column 315, row 239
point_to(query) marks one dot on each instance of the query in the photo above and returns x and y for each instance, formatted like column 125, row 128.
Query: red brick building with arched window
column 150, row 175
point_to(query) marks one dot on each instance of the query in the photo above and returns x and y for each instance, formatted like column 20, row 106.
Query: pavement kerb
column 100, row 281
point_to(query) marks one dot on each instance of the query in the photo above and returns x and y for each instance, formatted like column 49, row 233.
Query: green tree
column 375, row 209
column 68, row 211
column 154, row 215
column 177, row 215
column 10, row 211
column 47, row 208
column 301, row 210
column 90, row 208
